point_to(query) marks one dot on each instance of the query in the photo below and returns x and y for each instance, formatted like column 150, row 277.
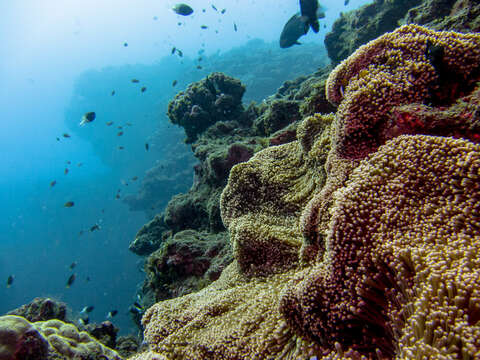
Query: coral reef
column 356, row 240
column 149, row 237
column 218, row 97
column 20, row 340
column 358, row 27
column 105, row 332
column 186, row 262
column 410, row 65
column 458, row 15
column 41, row 309
column 45, row 340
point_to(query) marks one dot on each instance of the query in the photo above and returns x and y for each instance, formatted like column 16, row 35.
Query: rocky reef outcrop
column 359, row 238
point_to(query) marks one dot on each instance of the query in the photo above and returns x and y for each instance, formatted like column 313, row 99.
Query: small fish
column 88, row 118
column 10, row 281
column 95, row 227
column 87, row 279
column 112, row 313
column 117, row 196
column 136, row 308
column 72, row 265
column 143, row 89
column 128, row 124
column 66, row 135
column 155, row 18
column 203, row 27
column 112, row 93
column 346, row 2
column 120, row 133
column 147, row 146
column 179, row 23
column 182, row 9
column 173, row 50
column 58, row 139
column 69, row 204
column 135, row 81
column 199, row 67
column 125, row 44
column 223, row 11
column 71, row 280
column 214, row 7
column 80, row 233
column 68, row 162
column 135, row 178
column 53, row 183
column 120, row 127
column 109, row 123
column 84, row 321
column 175, row 82
column 87, row 309
column 180, row 53
column 235, row 27
column 121, row 148
column 65, row 171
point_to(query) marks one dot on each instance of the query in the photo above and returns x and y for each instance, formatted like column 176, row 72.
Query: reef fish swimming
column 312, row 10
column 182, row 9
column 296, row 27
column 88, row 118
column 10, row 281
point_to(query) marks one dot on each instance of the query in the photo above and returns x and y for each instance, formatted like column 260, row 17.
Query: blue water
column 62, row 59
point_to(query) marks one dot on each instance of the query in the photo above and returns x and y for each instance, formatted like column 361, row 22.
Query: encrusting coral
column 360, row 239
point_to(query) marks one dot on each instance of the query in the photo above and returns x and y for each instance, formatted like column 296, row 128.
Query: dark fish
column 65, row 171
column 113, row 92
column 125, row 44
column 223, row 11
column 312, row 10
column 58, row 139
column 435, row 54
column 146, row 144
column 135, row 178
column 235, row 27
column 71, row 280
column 136, row 308
column 52, row 184
column 66, row 135
column 203, row 27
column 120, row 133
column 72, row 265
column 69, row 204
column 214, row 7
column 175, row 82
column 68, row 162
column 199, row 67
column 143, row 89
column 173, row 50
column 346, row 2
column 87, row 279
column 120, row 127
column 135, row 81
column 87, row 309
column 180, row 53
column 109, row 123
column 112, row 313
column 296, row 27
column 201, row 51
column 95, row 227
column 88, row 117
column 121, row 148
column 10, row 280
column 117, row 196
column 182, row 9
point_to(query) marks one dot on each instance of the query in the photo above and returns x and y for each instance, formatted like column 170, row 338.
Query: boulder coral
column 360, row 239
column 410, row 65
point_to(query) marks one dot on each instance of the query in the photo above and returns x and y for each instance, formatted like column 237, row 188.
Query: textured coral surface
column 356, row 240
